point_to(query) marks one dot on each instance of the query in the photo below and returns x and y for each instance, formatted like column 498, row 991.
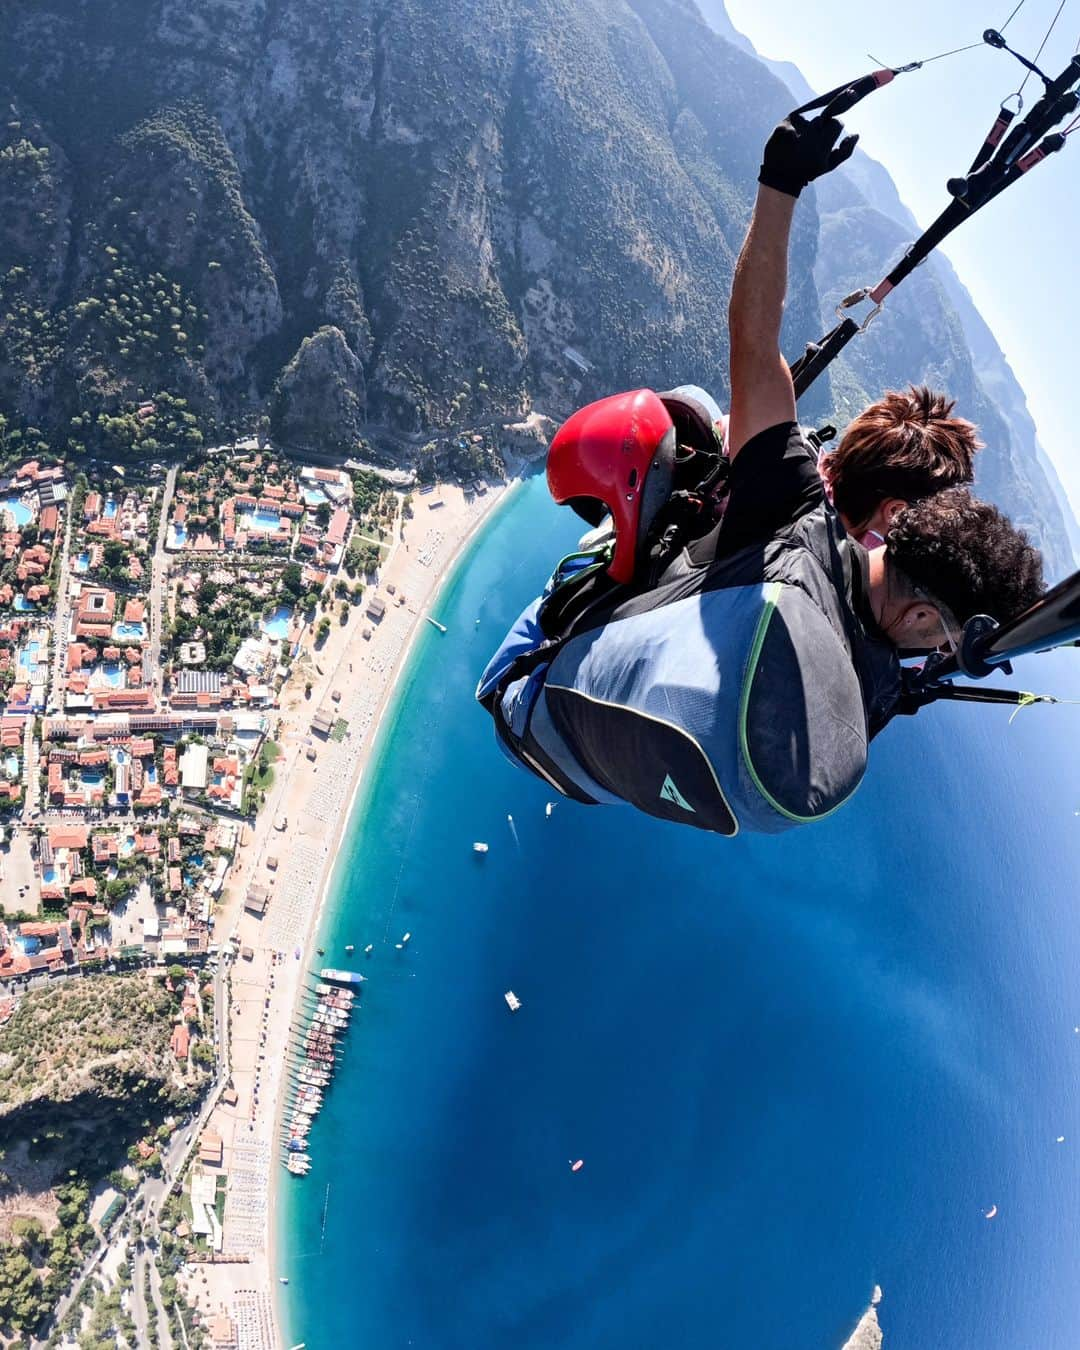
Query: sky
column 1014, row 256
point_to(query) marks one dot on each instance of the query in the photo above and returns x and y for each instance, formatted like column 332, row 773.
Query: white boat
column 549, row 808
column 369, row 949
column 405, row 939
column 512, row 1000
column 480, row 847
column 349, row 949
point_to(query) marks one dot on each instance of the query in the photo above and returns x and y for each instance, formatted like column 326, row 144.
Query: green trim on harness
column 601, row 556
column 772, row 596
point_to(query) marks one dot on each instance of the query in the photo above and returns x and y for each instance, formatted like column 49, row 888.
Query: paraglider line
column 1042, row 44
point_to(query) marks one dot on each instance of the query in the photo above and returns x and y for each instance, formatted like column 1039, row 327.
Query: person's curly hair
column 967, row 554
column 908, row 444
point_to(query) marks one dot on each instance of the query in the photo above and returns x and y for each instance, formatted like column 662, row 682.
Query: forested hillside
column 345, row 221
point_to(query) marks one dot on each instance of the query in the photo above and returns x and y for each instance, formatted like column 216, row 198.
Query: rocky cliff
column 442, row 199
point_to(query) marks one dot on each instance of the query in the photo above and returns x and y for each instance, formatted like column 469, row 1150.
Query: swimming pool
column 127, row 846
column 92, row 778
column 120, row 756
column 315, row 496
column 81, row 563
column 111, row 508
column 151, row 774
column 177, row 535
column 276, row 626
column 28, row 658
column 129, row 630
column 21, row 513
column 112, row 674
column 49, row 875
column 11, row 766
column 23, row 605
column 258, row 522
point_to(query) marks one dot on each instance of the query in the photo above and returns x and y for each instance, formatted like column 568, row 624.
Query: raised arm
column 762, row 394
column 761, row 390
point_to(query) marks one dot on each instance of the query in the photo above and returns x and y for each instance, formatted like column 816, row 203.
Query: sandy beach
column 292, row 851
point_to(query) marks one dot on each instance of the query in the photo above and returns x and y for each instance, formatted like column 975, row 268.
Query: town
column 146, row 631
column 193, row 660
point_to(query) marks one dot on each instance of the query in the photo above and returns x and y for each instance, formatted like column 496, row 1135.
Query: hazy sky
column 1018, row 257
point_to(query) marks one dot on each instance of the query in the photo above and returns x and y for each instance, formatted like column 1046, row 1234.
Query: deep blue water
column 794, row 1066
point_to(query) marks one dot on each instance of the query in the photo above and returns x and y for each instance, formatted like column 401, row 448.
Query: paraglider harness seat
column 673, row 692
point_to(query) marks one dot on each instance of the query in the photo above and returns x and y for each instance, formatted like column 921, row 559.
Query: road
column 158, row 572
column 61, row 628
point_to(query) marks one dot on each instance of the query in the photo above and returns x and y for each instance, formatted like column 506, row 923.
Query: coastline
column 368, row 756
column 266, row 988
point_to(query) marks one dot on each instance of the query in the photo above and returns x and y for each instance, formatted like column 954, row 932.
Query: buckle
column 856, row 298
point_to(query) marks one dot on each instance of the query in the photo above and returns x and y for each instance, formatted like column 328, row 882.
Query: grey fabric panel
column 806, row 727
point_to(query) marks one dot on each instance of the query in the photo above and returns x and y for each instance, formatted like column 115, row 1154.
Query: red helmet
column 616, row 455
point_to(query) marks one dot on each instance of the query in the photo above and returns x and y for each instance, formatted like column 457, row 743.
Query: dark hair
column 966, row 554
column 905, row 445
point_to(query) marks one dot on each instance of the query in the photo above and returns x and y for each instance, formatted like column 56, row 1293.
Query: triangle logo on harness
column 670, row 793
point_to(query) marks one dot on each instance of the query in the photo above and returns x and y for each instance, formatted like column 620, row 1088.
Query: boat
column 435, row 623
column 512, row 1000
column 549, row 808
column 369, row 949
column 349, row 949
column 577, row 1166
column 405, row 939
column 321, row 951
column 283, row 1279
column 341, row 976
column 480, row 847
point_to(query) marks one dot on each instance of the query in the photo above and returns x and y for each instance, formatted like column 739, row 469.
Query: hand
column 799, row 151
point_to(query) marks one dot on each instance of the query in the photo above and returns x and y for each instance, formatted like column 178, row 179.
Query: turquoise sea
column 794, row 1067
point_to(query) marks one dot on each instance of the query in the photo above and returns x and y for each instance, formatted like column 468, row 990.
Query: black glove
column 799, row 151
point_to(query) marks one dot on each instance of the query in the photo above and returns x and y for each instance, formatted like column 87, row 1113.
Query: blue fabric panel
column 525, row 636
column 683, row 664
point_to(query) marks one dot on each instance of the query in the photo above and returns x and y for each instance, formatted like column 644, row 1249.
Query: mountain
column 930, row 331
column 354, row 224
column 402, row 214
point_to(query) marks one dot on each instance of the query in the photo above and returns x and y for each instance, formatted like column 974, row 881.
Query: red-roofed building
column 68, row 836
column 85, row 886
column 180, row 1041
column 175, row 881
column 338, row 528
column 106, row 847
column 96, row 606
column 134, row 611
column 78, row 655
column 49, row 520
column 92, row 505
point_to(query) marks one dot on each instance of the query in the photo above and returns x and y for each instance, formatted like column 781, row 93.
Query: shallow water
column 793, row 1067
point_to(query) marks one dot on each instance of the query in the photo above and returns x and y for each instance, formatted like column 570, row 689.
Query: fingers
column 843, row 151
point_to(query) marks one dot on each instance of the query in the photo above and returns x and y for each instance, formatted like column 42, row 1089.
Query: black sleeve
column 774, row 480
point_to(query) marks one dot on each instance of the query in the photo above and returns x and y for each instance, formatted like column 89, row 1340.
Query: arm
column 761, row 390
column 762, row 394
